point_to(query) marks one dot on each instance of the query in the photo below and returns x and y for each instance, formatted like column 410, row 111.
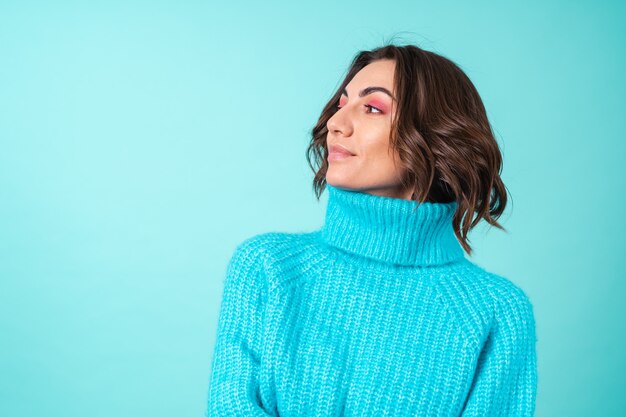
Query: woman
column 379, row 312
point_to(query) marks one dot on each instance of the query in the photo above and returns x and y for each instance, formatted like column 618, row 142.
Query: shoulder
column 495, row 288
column 507, row 296
column 273, row 253
column 511, row 306
column 482, row 298
column 272, row 244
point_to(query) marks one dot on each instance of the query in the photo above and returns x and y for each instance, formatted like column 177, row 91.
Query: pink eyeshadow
column 379, row 104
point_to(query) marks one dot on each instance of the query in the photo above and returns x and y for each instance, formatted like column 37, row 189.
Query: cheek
column 384, row 159
column 376, row 162
column 379, row 151
column 373, row 150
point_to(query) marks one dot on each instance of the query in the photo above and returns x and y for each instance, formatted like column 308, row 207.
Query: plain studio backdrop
column 141, row 141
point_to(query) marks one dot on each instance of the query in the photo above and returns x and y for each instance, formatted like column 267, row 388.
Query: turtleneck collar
column 391, row 229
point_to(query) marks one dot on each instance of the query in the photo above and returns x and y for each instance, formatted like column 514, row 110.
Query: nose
column 340, row 122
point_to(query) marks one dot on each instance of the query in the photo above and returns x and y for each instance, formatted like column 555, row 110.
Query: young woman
column 379, row 312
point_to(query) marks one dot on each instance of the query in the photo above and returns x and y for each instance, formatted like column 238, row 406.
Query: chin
column 337, row 182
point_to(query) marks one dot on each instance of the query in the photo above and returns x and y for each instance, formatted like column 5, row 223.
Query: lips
column 340, row 150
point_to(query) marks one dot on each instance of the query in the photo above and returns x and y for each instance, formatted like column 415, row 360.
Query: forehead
column 378, row 73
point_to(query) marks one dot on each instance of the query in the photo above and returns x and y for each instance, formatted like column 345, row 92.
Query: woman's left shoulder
column 505, row 294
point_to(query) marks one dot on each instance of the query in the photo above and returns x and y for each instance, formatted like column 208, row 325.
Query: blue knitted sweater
column 377, row 313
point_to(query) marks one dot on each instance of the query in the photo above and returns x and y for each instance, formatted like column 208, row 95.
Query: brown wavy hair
column 444, row 140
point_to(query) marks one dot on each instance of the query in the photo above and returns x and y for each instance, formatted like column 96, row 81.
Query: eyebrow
column 370, row 90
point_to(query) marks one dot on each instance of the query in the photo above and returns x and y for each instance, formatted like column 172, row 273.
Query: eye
column 368, row 106
column 373, row 108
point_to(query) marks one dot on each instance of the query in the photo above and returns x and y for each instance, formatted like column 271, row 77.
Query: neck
column 391, row 230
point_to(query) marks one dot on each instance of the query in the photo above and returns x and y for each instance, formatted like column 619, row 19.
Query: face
column 362, row 125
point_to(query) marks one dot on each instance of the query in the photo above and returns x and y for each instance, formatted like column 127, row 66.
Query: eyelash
column 366, row 105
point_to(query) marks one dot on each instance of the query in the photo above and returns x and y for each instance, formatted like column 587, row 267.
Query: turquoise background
column 140, row 142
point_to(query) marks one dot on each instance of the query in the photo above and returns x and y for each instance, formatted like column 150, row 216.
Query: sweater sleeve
column 234, row 383
column 505, row 380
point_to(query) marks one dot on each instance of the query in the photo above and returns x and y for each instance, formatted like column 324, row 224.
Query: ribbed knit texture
column 377, row 313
